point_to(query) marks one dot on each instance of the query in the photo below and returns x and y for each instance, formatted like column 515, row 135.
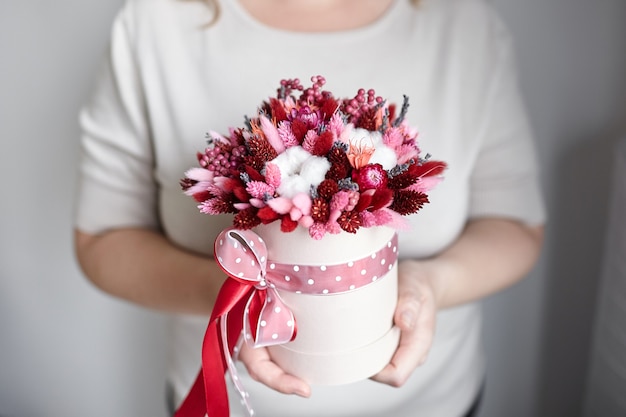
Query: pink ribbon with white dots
column 242, row 254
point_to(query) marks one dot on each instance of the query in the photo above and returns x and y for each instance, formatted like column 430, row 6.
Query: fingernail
column 407, row 319
column 302, row 393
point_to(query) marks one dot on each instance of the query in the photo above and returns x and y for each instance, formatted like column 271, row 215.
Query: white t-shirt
column 170, row 78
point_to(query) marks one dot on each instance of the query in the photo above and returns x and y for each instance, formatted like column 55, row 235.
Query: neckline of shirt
column 375, row 28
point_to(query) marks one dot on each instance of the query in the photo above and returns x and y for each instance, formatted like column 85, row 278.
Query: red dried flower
column 322, row 144
column 327, row 188
column 372, row 200
column 320, row 210
column 278, row 111
column 260, row 151
column 267, row 215
column 240, row 193
column 402, row 180
column 328, row 108
column 299, row 129
column 415, row 172
column 287, row 225
column 408, row 201
column 253, row 173
column 428, row 168
column 338, row 156
column 340, row 165
column 246, row 219
column 337, row 172
column 349, row 221
column 368, row 120
column 202, row 196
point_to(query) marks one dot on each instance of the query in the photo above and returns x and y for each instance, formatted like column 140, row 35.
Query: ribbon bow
column 242, row 254
column 251, row 299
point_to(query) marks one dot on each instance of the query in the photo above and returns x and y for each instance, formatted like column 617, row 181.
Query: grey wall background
column 67, row 350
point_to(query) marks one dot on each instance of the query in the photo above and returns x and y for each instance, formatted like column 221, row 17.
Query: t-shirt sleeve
column 116, row 185
column 505, row 180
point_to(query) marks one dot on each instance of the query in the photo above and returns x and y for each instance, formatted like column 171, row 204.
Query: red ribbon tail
column 208, row 394
column 194, row 404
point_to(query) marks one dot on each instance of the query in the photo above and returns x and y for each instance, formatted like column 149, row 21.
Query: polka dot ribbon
column 255, row 308
column 242, row 254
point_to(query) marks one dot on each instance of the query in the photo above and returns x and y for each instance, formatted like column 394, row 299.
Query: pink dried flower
column 336, row 125
column 317, row 231
column 286, row 134
column 272, row 174
column 215, row 205
column 309, row 141
column 258, row 189
column 271, row 134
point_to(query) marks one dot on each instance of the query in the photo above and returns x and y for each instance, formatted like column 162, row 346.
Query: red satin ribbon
column 208, row 394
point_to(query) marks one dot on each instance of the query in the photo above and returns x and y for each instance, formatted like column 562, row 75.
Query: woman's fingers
column 415, row 316
column 262, row 369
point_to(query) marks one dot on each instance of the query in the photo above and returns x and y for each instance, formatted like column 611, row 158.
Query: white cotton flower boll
column 293, row 185
column 385, row 156
column 314, row 170
column 290, row 161
column 299, row 170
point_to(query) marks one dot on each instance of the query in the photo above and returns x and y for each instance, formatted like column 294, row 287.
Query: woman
column 177, row 69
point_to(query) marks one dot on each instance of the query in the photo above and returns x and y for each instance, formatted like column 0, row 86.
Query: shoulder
column 472, row 20
column 462, row 11
column 471, row 30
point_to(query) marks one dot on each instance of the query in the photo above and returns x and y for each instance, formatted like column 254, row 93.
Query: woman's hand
column 415, row 316
column 490, row 254
column 262, row 369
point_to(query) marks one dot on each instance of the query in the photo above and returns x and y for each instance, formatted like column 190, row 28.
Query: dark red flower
column 253, row 173
column 372, row 200
column 320, row 210
column 428, row 168
column 259, row 152
column 327, row 188
column 287, row 225
column 340, row 165
column 338, row 156
column 322, row 144
column 241, row 194
column 328, row 108
column 337, row 172
column 408, row 201
column 380, row 199
column 278, row 111
column 368, row 120
column 246, row 219
column 267, row 215
column 299, row 129
column 202, row 196
column 414, row 172
column 349, row 221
